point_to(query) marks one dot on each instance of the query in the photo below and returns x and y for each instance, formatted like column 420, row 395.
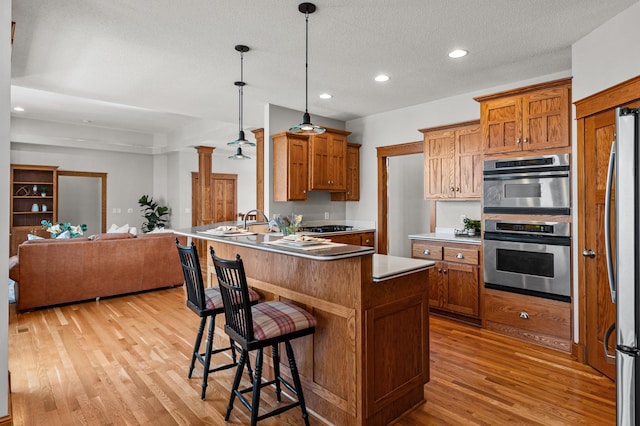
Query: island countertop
column 387, row 267
column 269, row 242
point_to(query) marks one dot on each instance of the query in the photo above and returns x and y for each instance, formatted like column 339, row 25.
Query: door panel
column 600, row 310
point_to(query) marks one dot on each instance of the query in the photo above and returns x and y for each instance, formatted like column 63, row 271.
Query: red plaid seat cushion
column 214, row 298
column 272, row 319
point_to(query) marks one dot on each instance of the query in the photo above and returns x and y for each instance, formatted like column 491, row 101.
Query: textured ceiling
column 154, row 66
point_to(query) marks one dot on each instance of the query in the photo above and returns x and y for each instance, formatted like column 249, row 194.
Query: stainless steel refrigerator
column 624, row 265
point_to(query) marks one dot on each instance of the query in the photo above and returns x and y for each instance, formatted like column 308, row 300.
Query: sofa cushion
column 115, row 229
column 34, row 237
column 113, row 236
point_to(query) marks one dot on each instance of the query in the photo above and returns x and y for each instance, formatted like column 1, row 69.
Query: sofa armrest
column 14, row 268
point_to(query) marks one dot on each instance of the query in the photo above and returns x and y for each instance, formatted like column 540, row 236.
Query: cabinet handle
column 426, row 251
column 452, row 189
column 444, row 271
column 589, row 253
column 458, row 189
column 524, row 315
column 459, row 256
column 526, row 140
column 367, row 241
column 518, row 141
column 440, row 270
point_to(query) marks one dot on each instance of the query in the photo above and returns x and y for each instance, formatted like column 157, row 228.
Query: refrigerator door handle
column 607, row 221
column 611, row 359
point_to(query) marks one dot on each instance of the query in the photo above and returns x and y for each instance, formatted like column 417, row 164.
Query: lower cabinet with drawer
column 454, row 285
column 359, row 239
column 538, row 320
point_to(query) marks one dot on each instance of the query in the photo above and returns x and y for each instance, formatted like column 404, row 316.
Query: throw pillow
column 34, row 237
column 64, row 235
column 115, row 229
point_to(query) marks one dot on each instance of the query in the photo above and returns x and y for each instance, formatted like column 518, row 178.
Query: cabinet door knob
column 524, row 315
column 459, row 256
column 368, row 241
column 444, row 271
column 458, row 189
column 589, row 253
column 526, row 140
column 452, row 189
column 518, row 141
column 426, row 251
column 440, row 270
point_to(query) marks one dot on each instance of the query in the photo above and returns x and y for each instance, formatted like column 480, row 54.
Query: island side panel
column 331, row 361
column 397, row 346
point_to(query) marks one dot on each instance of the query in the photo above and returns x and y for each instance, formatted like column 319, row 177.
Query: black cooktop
column 327, row 228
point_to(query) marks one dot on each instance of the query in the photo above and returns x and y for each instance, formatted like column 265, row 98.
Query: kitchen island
column 368, row 360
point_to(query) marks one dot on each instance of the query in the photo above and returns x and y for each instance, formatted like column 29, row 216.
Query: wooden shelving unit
column 27, row 183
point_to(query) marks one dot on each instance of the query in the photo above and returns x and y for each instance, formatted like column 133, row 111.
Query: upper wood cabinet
column 453, row 161
column 529, row 118
column 304, row 163
column 353, row 176
column 290, row 167
column 328, row 161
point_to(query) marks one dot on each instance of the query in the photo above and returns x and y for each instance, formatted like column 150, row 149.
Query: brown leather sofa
column 50, row 272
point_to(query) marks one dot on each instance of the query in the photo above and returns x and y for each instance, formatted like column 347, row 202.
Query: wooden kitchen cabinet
column 353, row 176
column 290, row 167
column 360, row 239
column 328, row 161
column 530, row 118
column 454, row 282
column 534, row 319
column 24, row 220
column 453, row 161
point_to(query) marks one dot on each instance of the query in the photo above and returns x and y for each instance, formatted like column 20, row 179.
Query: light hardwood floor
column 124, row 360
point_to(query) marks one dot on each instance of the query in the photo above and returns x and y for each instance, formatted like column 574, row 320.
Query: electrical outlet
column 326, row 215
column 129, row 210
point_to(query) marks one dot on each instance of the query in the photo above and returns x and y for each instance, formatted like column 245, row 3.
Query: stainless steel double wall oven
column 528, row 253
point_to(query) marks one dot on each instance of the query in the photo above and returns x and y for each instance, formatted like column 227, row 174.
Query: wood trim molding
column 103, row 191
column 259, row 135
column 614, row 96
column 205, row 154
column 525, row 89
column 383, row 202
column 449, row 126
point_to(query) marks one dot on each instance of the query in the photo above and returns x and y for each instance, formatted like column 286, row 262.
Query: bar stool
column 256, row 327
column 206, row 303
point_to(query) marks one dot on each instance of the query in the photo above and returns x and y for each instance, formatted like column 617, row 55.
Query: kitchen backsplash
column 448, row 213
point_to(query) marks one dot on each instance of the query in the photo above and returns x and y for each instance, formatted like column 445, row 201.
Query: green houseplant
column 156, row 216
column 472, row 224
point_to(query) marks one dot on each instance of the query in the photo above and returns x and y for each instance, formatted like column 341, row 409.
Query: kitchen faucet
column 244, row 219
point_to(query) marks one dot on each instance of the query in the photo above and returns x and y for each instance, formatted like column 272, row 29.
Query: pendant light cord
column 240, row 92
column 306, row 64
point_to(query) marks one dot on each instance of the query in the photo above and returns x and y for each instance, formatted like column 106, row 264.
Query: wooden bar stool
column 256, row 327
column 206, row 303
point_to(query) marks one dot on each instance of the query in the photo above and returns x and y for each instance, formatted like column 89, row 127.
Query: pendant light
column 241, row 139
column 306, row 127
column 239, row 155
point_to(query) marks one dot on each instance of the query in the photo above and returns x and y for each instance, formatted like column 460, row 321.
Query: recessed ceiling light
column 458, row 53
column 381, row 77
column 325, row 96
column 86, row 121
column 18, row 109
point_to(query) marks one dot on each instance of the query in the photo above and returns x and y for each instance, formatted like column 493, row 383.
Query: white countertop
column 446, row 237
column 387, row 267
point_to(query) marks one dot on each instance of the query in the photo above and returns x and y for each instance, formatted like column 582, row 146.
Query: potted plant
column 156, row 216
column 43, row 191
column 471, row 226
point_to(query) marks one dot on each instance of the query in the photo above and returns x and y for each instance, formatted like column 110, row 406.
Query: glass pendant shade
column 239, row 155
column 241, row 141
column 306, row 127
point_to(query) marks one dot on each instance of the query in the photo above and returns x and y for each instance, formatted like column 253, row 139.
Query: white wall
column 401, row 126
column 5, row 111
column 128, row 175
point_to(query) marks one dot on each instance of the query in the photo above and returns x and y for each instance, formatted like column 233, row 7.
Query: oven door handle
column 607, row 221
column 522, row 176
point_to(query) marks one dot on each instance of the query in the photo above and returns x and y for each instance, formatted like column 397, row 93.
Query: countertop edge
column 446, row 238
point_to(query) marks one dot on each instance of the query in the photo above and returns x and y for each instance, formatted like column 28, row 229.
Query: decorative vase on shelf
column 35, row 208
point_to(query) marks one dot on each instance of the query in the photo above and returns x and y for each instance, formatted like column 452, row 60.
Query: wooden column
column 259, row 135
column 205, row 154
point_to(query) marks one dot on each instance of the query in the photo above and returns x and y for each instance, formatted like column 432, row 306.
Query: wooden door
column 436, row 286
column 600, row 311
column 224, row 198
column 545, row 119
column 501, row 125
column 462, row 288
column 468, row 173
column 439, row 153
